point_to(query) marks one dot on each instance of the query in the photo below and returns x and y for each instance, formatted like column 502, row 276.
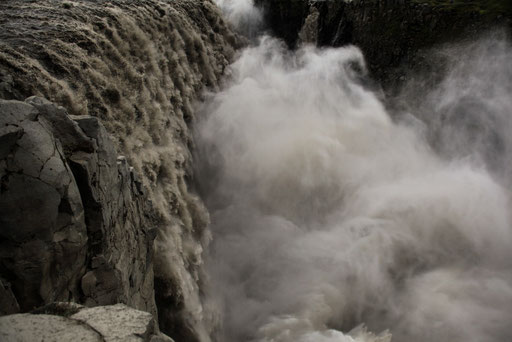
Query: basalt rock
column 393, row 34
column 43, row 232
column 75, row 224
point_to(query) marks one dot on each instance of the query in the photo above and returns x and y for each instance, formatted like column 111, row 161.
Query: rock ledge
column 113, row 323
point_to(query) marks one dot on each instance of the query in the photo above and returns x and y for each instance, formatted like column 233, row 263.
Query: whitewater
column 334, row 219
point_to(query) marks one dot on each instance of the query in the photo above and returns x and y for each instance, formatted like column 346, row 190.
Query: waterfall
column 336, row 220
column 139, row 66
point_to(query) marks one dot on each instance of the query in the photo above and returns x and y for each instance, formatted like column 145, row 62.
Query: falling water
column 333, row 222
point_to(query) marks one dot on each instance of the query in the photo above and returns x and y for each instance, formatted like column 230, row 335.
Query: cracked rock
column 35, row 328
column 74, row 222
column 69, row 322
column 64, row 128
column 118, row 323
column 42, row 229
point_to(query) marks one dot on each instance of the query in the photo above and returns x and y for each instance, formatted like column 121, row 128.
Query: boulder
column 69, row 322
column 34, row 328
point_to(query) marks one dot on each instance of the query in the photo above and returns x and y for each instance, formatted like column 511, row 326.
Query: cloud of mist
column 468, row 112
column 244, row 16
column 330, row 221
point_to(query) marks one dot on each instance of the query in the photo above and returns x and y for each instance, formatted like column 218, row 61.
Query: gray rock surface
column 35, row 328
column 115, row 323
column 74, row 224
column 43, row 234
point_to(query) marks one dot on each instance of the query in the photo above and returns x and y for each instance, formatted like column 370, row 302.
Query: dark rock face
column 43, row 231
column 391, row 33
column 75, row 224
column 8, row 302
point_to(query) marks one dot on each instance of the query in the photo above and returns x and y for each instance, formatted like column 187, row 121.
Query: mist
column 243, row 15
column 331, row 221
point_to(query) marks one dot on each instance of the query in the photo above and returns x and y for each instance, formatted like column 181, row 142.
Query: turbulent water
column 331, row 219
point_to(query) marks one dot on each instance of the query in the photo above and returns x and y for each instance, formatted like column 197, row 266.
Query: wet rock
column 42, row 229
column 63, row 127
column 8, row 302
column 309, row 30
column 392, row 34
column 119, row 221
column 73, row 225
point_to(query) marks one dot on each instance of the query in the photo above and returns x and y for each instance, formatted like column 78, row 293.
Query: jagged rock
column 63, row 127
column 285, row 17
column 68, row 322
column 393, row 34
column 309, row 30
column 8, row 302
column 74, row 224
column 115, row 219
column 42, row 229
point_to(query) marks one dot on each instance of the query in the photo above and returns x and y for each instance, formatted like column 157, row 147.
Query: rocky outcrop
column 138, row 67
column 392, row 34
column 75, row 224
column 44, row 236
column 67, row 322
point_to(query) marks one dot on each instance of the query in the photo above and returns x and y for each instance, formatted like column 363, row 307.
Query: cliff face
column 72, row 213
column 392, row 34
column 87, row 230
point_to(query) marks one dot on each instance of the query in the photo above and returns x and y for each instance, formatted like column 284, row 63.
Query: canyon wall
column 76, row 225
column 394, row 35
column 82, row 204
